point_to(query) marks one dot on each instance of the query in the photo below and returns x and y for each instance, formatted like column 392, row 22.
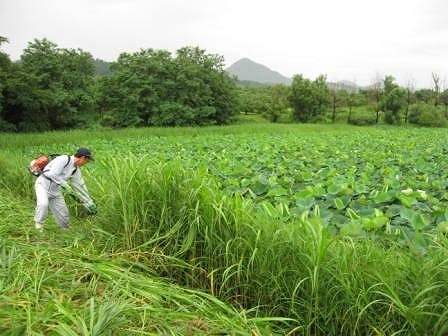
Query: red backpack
column 37, row 166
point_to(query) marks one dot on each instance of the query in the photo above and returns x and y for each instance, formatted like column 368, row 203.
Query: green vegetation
column 102, row 68
column 54, row 88
column 77, row 284
column 309, row 98
column 426, row 115
column 150, row 88
column 270, row 102
column 247, row 230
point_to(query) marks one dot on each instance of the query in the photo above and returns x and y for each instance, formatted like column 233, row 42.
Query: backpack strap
column 68, row 161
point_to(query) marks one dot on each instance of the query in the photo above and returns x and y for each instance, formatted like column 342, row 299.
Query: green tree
column 424, row 95
column 337, row 100
column 309, row 99
column 50, row 88
column 373, row 95
column 392, row 100
column 410, row 98
column 425, row 114
column 348, row 99
column 342, row 96
column 203, row 86
column 269, row 101
column 278, row 102
column 322, row 93
column 138, row 84
column 151, row 87
column 5, row 71
column 444, row 100
column 25, row 105
column 254, row 99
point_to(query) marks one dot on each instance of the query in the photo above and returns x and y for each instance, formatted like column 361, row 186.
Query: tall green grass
column 55, row 283
column 246, row 256
column 169, row 251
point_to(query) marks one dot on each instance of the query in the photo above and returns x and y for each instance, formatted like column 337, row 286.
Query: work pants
column 48, row 195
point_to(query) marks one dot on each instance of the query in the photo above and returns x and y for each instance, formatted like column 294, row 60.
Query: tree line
column 55, row 88
column 384, row 101
column 52, row 88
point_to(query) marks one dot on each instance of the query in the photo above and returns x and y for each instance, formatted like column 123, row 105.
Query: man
column 54, row 177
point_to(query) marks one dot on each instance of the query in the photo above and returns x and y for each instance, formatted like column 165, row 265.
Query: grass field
column 253, row 229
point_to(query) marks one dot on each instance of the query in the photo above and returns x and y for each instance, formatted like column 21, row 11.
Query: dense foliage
column 152, row 88
column 278, row 229
column 392, row 100
column 52, row 88
column 269, row 101
column 309, row 99
column 56, row 88
column 426, row 115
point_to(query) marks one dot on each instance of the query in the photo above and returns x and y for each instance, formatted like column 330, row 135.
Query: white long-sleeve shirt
column 56, row 174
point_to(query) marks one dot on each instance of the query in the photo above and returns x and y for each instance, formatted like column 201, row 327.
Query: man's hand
column 92, row 209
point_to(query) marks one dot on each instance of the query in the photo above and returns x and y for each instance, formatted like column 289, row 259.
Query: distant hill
column 249, row 74
column 247, row 70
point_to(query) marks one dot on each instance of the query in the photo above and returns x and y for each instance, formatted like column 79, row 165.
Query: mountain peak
column 248, row 70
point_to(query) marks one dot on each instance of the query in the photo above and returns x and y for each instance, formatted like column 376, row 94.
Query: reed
column 237, row 251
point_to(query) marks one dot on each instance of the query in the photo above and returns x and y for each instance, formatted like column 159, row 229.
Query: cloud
column 346, row 39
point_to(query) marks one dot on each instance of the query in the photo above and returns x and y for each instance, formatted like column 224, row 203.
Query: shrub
column 424, row 114
column 321, row 119
column 7, row 127
column 362, row 120
column 392, row 117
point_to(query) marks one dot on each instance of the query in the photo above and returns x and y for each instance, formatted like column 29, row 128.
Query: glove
column 92, row 209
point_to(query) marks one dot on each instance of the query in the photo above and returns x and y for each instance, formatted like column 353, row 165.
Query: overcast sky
column 345, row 39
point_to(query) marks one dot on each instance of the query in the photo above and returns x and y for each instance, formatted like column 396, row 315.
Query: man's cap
column 84, row 152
